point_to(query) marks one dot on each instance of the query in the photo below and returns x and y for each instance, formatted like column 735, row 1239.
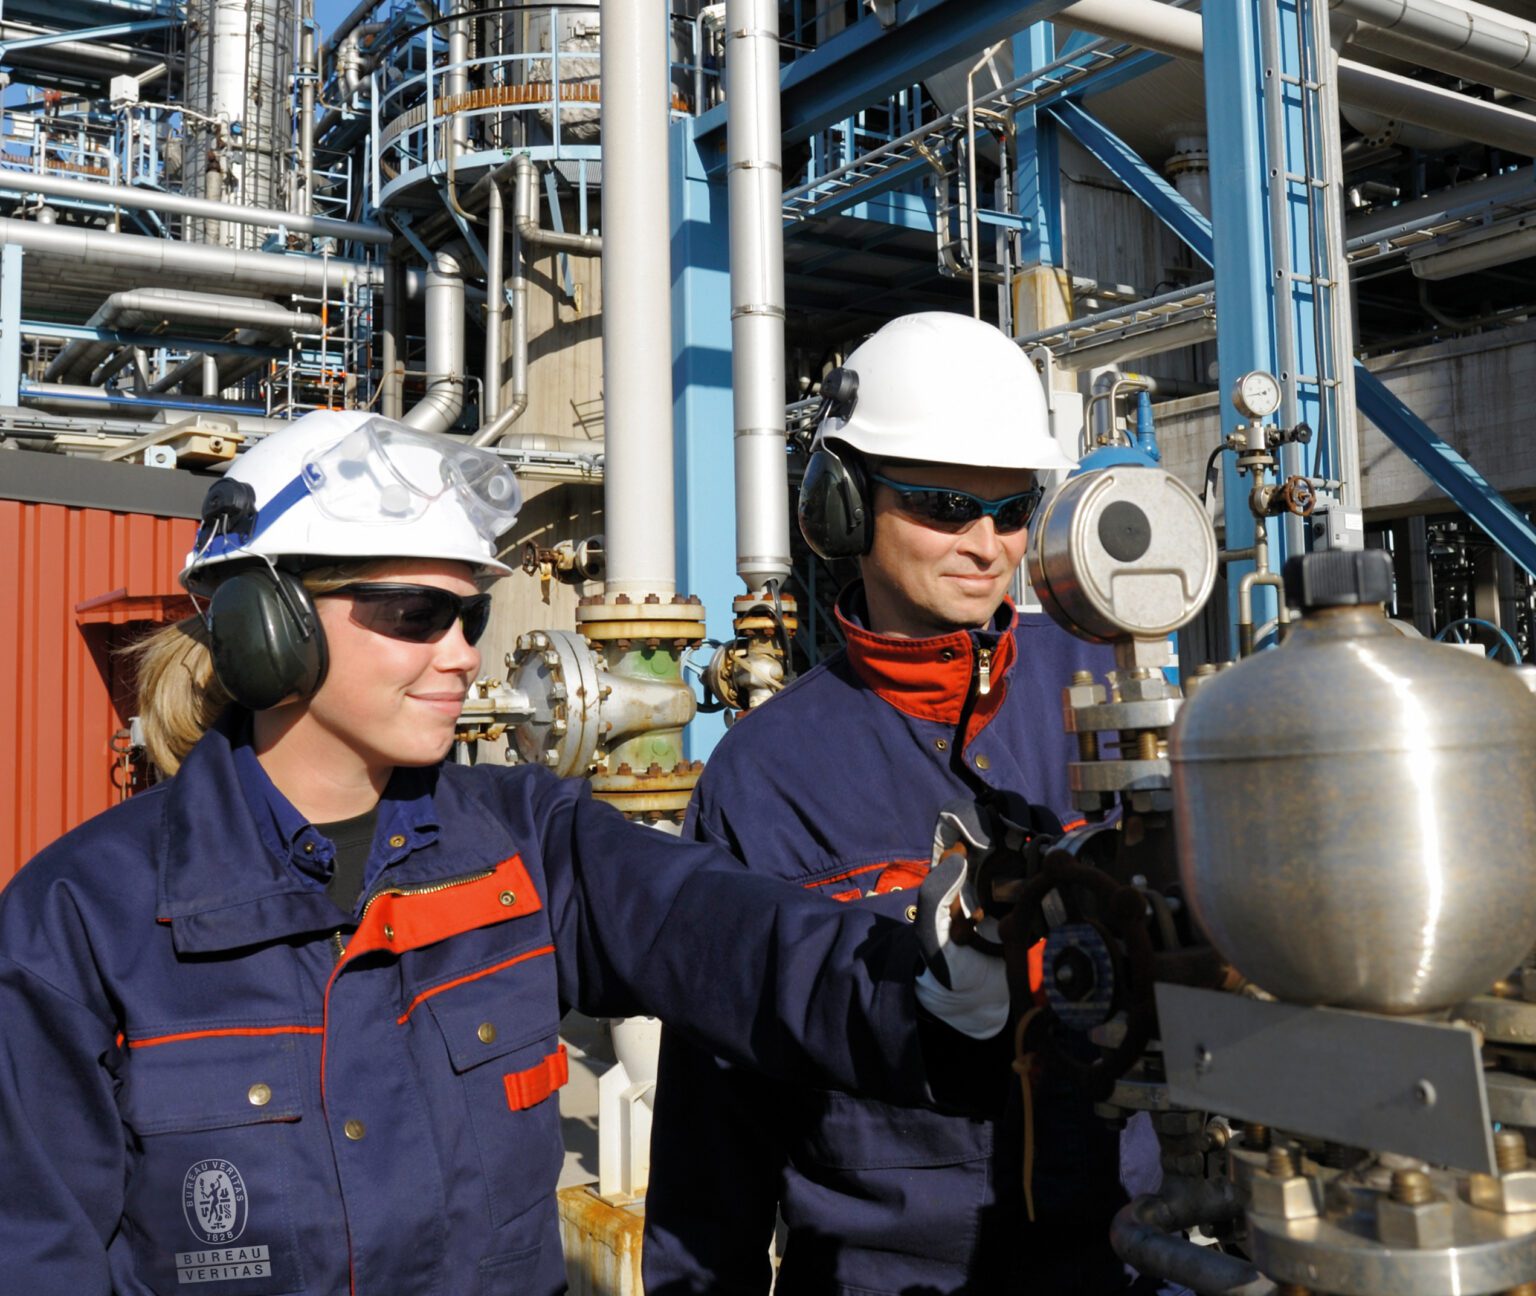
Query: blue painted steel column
column 701, row 392
column 1037, row 182
column 1245, row 335
column 10, row 324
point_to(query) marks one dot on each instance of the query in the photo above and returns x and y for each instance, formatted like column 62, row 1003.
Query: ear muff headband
column 836, row 513
column 265, row 638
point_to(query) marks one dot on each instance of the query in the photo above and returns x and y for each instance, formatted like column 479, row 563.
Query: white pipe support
column 182, row 205
column 440, row 408
column 637, row 301
column 755, row 186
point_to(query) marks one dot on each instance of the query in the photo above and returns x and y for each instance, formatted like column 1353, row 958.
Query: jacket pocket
column 842, row 1132
column 501, row 1035
column 214, row 1142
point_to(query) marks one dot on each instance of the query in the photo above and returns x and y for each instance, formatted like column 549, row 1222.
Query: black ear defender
column 265, row 637
column 834, row 510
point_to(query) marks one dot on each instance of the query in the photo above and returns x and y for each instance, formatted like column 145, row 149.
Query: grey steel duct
column 184, row 205
column 755, row 188
column 1466, row 39
column 637, row 302
column 1152, row 25
column 191, row 264
column 525, row 214
column 440, row 408
column 151, row 306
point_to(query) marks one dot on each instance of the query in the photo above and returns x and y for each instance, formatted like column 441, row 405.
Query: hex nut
column 1509, row 1194
column 1178, row 1122
column 1290, row 1198
column 1081, row 695
column 1429, row 1224
column 1153, row 689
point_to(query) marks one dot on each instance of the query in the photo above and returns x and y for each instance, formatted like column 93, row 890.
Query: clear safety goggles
column 386, row 473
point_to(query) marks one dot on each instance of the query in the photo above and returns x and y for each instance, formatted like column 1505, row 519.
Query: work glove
column 961, row 985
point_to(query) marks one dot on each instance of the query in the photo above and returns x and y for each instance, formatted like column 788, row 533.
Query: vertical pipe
column 389, row 356
column 755, row 190
column 495, row 301
column 637, row 301
column 439, row 409
column 456, row 84
column 308, row 72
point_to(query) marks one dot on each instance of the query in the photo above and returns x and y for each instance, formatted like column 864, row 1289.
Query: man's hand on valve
column 977, row 850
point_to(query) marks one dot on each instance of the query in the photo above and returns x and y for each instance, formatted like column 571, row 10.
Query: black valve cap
column 1338, row 578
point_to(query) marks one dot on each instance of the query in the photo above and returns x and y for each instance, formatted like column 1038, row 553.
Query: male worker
column 924, row 469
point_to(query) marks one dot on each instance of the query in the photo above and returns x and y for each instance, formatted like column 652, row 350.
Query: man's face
column 922, row 580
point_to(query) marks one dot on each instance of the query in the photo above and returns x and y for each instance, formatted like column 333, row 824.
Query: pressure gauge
column 1256, row 395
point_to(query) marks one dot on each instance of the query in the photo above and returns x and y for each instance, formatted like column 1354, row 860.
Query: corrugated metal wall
column 64, row 688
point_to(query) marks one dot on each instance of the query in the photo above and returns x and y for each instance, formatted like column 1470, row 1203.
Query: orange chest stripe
column 410, row 920
column 473, row 976
column 153, row 1040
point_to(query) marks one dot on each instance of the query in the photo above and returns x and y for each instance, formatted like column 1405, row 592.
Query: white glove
column 961, row 986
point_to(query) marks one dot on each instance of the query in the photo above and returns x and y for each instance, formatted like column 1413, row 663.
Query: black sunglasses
column 954, row 510
column 415, row 613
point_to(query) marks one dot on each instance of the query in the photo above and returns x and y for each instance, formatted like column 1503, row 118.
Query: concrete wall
column 1471, row 391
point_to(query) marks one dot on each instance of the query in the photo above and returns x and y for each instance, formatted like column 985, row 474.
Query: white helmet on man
column 349, row 485
column 942, row 388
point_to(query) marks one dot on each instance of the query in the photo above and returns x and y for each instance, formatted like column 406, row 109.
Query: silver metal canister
column 1356, row 810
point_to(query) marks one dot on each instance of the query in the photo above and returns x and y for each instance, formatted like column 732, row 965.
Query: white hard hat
column 352, row 485
column 943, row 388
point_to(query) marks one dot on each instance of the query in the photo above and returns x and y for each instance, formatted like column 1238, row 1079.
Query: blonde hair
column 179, row 695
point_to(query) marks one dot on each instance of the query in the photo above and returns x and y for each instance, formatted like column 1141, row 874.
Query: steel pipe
column 183, row 205
column 1484, row 42
column 440, row 408
column 755, row 187
column 1178, row 33
column 525, row 215
column 495, row 301
column 138, row 307
column 151, row 258
column 494, row 430
column 637, row 301
column 309, row 73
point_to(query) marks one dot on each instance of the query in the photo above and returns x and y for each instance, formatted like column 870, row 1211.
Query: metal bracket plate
column 1390, row 1084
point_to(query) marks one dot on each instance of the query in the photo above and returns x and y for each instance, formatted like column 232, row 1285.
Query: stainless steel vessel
column 1356, row 810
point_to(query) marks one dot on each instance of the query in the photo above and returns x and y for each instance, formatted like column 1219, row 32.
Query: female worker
column 287, row 1022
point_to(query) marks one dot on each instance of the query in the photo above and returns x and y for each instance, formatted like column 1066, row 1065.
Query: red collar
column 930, row 679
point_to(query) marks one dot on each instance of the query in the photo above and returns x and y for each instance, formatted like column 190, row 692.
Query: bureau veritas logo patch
column 214, row 1202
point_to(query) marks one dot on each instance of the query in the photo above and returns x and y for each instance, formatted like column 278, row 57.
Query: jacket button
column 941, row 744
column 397, row 841
column 389, row 932
column 983, row 763
column 309, row 848
column 946, row 654
column 487, row 1033
column 259, row 1094
column 911, row 913
column 354, row 1130
column 508, row 897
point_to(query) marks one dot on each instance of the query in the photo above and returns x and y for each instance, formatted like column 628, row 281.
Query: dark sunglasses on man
column 947, row 509
column 414, row 613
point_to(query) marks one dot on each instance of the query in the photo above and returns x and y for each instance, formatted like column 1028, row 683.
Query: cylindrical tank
column 1355, row 810
column 238, row 84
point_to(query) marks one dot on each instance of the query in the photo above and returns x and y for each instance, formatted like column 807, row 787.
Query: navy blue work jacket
column 836, row 785
column 211, row 1081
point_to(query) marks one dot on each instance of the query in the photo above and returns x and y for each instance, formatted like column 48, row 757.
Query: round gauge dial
column 1256, row 395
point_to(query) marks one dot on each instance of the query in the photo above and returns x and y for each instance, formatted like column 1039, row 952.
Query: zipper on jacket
column 983, row 671
column 426, row 888
column 341, row 945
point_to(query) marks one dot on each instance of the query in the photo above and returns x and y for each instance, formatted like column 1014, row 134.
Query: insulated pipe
column 1468, row 33
column 1395, row 45
column 755, row 191
column 456, row 83
column 440, row 408
column 141, row 306
column 184, row 205
column 309, row 73
column 1147, row 1234
column 493, row 432
column 637, row 301
column 525, row 215
column 1152, row 25
column 389, row 345
column 495, row 301
column 151, row 258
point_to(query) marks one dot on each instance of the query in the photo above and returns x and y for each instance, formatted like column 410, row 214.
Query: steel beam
column 1127, row 166
column 1510, row 529
column 867, row 61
